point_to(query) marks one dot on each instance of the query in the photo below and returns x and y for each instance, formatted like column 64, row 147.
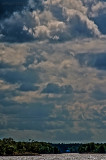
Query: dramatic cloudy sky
column 53, row 70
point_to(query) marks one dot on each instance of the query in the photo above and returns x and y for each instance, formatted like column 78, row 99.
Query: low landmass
column 9, row 147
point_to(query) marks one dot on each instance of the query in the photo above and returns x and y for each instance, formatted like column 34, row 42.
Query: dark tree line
column 68, row 148
column 10, row 147
column 92, row 148
column 81, row 148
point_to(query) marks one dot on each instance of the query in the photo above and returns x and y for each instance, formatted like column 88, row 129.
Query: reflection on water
column 69, row 156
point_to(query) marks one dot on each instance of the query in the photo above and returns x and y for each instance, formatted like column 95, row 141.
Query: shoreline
column 22, row 154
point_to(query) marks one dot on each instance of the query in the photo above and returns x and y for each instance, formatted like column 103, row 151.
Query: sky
column 53, row 70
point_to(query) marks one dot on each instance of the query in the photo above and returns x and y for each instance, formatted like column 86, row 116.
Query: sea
column 69, row 156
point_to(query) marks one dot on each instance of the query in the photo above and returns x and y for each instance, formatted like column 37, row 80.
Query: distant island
column 9, row 147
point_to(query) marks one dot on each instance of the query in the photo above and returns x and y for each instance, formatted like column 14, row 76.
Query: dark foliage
column 10, row 147
column 92, row 148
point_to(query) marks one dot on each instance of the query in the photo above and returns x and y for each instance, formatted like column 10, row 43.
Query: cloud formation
column 56, row 89
column 52, row 20
column 95, row 60
column 53, row 73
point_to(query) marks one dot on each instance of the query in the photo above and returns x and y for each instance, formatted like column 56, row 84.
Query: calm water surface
column 59, row 157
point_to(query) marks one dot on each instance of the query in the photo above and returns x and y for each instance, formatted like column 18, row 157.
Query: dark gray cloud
column 4, row 65
column 36, row 56
column 56, row 89
column 19, row 76
column 93, row 60
column 28, row 87
column 84, row 135
column 7, row 8
column 98, row 94
column 24, row 117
